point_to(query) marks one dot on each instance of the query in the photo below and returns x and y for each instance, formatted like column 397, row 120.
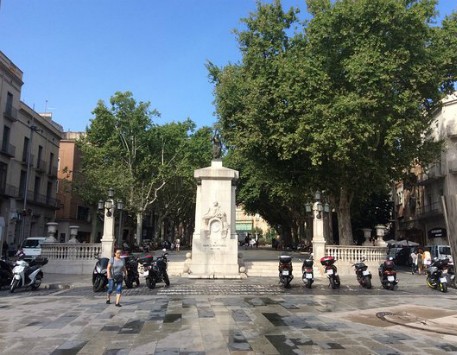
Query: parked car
column 32, row 247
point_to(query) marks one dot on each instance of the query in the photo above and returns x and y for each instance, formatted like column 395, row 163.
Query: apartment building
column 73, row 211
column 419, row 208
column 29, row 150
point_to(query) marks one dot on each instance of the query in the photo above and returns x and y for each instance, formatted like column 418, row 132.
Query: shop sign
column 437, row 233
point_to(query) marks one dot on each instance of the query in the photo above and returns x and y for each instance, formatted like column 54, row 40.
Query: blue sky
column 76, row 52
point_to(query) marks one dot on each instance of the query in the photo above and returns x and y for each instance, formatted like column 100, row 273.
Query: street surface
column 251, row 316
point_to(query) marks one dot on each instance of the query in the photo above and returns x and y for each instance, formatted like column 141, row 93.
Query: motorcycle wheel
column 309, row 283
column 392, row 286
column 333, row 283
column 36, row 285
column 137, row 282
column 430, row 282
column 443, row 287
column 150, row 282
column 129, row 282
column 14, row 285
column 98, row 285
column 367, row 283
column 166, row 279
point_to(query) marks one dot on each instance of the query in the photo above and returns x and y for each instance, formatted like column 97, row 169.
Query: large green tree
column 345, row 101
column 125, row 150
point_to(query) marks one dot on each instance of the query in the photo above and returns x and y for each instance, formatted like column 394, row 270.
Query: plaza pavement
column 250, row 316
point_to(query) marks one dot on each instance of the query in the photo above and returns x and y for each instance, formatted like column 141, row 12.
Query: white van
column 440, row 252
column 32, row 247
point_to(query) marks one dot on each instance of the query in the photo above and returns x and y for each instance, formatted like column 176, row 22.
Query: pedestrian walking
column 420, row 265
column 178, row 244
column 427, row 258
column 116, row 272
column 413, row 262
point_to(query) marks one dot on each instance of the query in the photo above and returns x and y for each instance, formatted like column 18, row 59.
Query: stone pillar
column 73, row 234
column 108, row 236
column 215, row 242
column 319, row 243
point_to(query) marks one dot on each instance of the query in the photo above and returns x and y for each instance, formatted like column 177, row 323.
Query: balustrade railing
column 353, row 253
column 68, row 251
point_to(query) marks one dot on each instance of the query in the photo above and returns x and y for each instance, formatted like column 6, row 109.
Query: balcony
column 28, row 160
column 452, row 167
column 429, row 211
column 52, row 173
column 40, row 166
column 434, row 173
column 9, row 190
column 8, row 149
column 10, row 114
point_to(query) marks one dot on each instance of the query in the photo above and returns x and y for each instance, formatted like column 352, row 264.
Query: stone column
column 108, row 235
column 52, row 228
column 367, row 236
column 380, row 231
column 215, row 242
column 319, row 243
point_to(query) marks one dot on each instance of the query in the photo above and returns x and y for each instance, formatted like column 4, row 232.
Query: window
column 9, row 104
column 6, row 138
column 40, row 155
column 51, row 162
column 22, row 182
column 49, row 193
column 36, row 188
column 83, row 213
column 26, row 149
column 3, row 175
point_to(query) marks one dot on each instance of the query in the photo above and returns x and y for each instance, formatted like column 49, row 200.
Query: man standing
column 413, row 262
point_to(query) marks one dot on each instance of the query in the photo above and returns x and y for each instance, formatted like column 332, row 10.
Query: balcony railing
column 40, row 166
column 10, row 114
column 429, row 210
column 8, row 149
column 353, row 253
column 52, row 172
column 9, row 190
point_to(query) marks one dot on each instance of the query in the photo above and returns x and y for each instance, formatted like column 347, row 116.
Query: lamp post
column 107, row 207
column 317, row 208
column 120, row 207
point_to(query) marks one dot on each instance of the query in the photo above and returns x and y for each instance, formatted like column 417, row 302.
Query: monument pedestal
column 215, row 242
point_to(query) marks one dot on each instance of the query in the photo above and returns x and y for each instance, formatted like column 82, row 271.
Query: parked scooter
column 388, row 274
column 131, row 264
column 362, row 273
column 6, row 273
column 100, row 274
column 285, row 270
column 27, row 274
column 307, row 271
column 435, row 274
column 331, row 271
column 450, row 275
column 157, row 271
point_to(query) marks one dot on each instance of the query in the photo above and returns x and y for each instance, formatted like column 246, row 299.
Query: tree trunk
column 344, row 218
column 139, row 228
column 93, row 226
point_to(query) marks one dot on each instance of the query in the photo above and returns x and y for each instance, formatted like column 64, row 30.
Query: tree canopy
column 342, row 102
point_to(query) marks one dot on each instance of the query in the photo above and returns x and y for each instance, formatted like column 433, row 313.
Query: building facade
column 419, row 208
column 73, row 211
column 29, row 152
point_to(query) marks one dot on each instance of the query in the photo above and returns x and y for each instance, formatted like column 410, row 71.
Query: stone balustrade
column 71, row 251
column 347, row 255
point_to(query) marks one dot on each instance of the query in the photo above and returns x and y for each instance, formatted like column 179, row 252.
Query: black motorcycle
column 285, row 270
column 157, row 271
column 362, row 274
column 6, row 273
column 388, row 274
column 131, row 264
column 100, row 274
column 331, row 271
column 435, row 274
column 307, row 272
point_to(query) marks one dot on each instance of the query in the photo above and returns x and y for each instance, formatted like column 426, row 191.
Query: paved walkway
column 250, row 316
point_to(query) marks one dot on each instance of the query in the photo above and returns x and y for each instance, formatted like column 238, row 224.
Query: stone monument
column 215, row 242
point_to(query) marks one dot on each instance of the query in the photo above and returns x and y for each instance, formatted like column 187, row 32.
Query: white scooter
column 27, row 275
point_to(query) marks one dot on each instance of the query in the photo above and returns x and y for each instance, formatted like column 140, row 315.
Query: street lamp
column 120, row 207
column 108, row 207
